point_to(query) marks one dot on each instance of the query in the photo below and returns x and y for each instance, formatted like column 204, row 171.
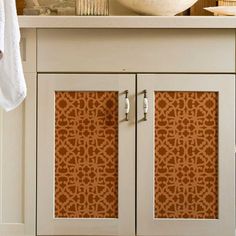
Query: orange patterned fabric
column 86, row 154
column 186, row 155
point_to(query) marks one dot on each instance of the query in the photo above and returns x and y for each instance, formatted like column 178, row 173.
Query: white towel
column 2, row 24
column 12, row 82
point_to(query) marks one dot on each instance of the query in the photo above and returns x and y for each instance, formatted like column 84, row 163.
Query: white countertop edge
column 127, row 22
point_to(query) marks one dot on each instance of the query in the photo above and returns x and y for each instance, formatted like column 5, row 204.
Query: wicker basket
column 92, row 7
column 227, row 2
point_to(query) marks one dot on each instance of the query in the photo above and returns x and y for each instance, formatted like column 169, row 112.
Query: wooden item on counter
column 20, row 5
column 198, row 8
column 184, row 13
column 227, row 2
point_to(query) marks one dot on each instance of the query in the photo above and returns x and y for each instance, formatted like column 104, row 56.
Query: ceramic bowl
column 158, row 7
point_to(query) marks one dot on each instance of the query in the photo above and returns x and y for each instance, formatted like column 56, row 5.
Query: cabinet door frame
column 18, row 145
column 146, row 223
column 46, row 223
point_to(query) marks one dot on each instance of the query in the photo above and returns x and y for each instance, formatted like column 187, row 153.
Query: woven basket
column 227, row 2
column 92, row 7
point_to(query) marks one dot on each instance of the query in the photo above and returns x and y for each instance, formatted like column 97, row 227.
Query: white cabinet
column 97, row 173
column 86, row 155
column 18, row 166
column 184, row 165
column 186, row 155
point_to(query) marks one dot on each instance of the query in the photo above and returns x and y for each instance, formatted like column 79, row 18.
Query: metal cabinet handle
column 127, row 105
column 145, row 105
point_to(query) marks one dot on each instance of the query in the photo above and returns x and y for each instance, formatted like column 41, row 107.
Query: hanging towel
column 12, row 82
column 2, row 23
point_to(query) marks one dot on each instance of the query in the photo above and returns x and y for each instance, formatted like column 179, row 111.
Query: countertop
column 206, row 22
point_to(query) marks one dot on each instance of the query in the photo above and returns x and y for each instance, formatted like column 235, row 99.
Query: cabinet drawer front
column 132, row 50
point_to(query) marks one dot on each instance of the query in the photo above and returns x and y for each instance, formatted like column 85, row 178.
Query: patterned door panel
column 186, row 155
column 86, row 155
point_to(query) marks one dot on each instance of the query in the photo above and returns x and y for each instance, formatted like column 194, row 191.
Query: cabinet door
column 186, row 155
column 86, row 155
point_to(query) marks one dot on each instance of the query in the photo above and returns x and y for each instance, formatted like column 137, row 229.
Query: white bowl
column 222, row 10
column 158, row 7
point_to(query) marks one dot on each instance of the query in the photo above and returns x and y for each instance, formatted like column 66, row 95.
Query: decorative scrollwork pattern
column 186, row 155
column 86, row 154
